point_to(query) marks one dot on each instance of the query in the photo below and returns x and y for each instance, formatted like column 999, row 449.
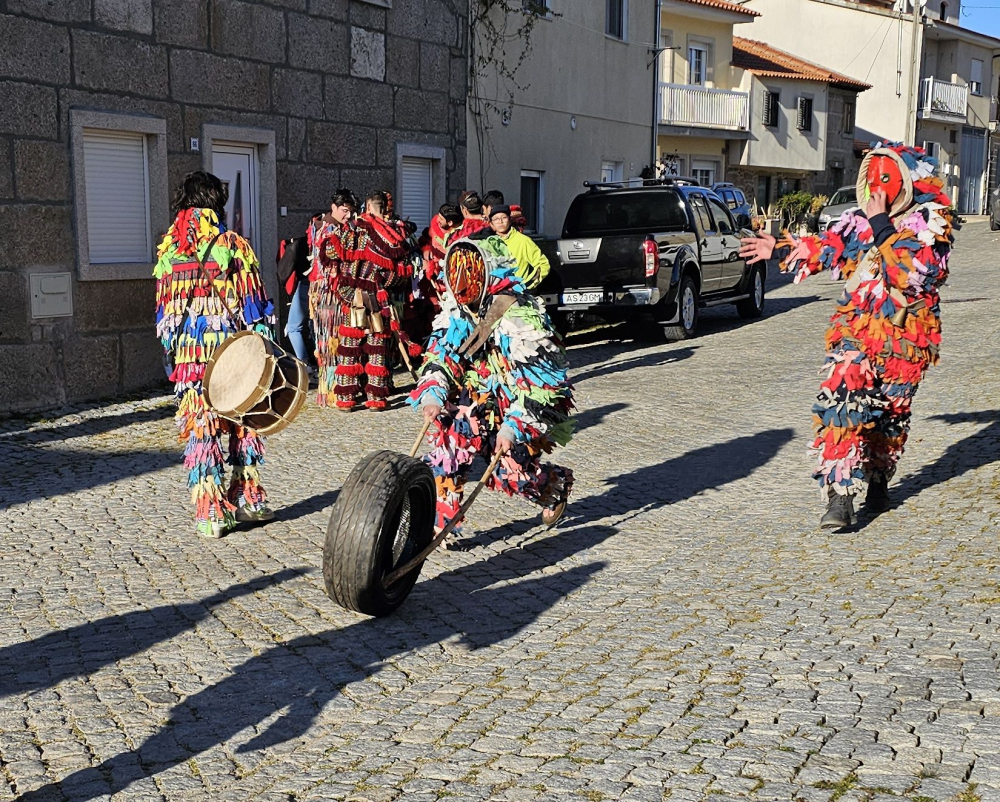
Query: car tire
column 994, row 225
column 687, row 303
column 754, row 305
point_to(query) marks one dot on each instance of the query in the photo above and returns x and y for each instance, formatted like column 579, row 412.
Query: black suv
column 669, row 248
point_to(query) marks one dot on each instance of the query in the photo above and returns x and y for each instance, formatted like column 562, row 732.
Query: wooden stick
column 420, row 437
column 439, row 539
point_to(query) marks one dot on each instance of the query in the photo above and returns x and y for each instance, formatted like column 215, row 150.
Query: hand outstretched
column 757, row 249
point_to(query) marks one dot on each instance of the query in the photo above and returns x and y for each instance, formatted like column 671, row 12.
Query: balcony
column 687, row 106
column 943, row 101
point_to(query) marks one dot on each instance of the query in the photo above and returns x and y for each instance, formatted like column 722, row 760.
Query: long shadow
column 596, row 415
column 301, row 676
column 646, row 361
column 47, row 473
column 972, row 452
column 82, row 650
column 99, row 425
column 307, row 506
column 655, row 486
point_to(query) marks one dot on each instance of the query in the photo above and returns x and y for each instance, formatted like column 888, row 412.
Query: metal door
column 972, row 166
column 236, row 166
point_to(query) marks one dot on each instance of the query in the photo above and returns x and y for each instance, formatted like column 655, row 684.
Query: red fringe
column 414, row 349
column 377, row 391
column 345, row 404
column 349, row 370
column 373, row 403
column 377, row 370
column 349, row 331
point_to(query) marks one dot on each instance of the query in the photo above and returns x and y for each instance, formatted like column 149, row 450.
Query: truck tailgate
column 614, row 261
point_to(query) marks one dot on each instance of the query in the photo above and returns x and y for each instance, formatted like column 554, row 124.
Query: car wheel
column 994, row 225
column 687, row 300
column 754, row 305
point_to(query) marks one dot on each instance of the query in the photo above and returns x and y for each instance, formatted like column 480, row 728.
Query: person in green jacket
column 532, row 265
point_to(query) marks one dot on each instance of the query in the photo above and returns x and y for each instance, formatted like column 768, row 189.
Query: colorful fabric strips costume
column 373, row 262
column 327, row 252
column 189, row 339
column 509, row 379
column 876, row 353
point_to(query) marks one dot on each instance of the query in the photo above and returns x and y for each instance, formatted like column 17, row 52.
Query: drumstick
column 449, row 527
column 420, row 437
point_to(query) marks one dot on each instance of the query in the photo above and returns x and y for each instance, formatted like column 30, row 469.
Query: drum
column 254, row 382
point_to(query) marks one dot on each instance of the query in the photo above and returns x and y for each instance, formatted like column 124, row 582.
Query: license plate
column 569, row 298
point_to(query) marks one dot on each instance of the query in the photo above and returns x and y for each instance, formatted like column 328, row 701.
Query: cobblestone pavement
column 685, row 633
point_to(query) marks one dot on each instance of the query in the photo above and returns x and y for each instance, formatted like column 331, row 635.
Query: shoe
column 877, row 499
column 213, row 530
column 551, row 515
column 839, row 513
column 245, row 515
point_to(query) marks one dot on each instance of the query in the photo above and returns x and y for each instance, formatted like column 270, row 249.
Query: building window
column 703, row 172
column 697, row 60
column 120, row 181
column 771, row 108
column 848, row 118
column 944, row 12
column 612, row 171
column 804, row 121
column 616, row 18
column 533, row 200
column 417, row 198
column 976, row 77
column 539, row 7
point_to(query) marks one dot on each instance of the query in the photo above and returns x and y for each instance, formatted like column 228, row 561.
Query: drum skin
column 382, row 518
column 254, row 382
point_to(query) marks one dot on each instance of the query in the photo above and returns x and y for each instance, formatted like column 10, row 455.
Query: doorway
column 972, row 164
column 236, row 165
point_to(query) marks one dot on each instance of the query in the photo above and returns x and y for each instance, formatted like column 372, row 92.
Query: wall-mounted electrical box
column 51, row 294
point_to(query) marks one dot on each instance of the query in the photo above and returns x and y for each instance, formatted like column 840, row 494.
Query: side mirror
column 743, row 220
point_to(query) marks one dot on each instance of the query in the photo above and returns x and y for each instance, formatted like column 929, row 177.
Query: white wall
column 574, row 71
column 784, row 146
column 841, row 36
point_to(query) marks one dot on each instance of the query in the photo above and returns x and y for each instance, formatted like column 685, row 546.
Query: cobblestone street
column 686, row 632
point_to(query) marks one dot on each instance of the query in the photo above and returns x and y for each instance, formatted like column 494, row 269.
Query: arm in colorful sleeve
column 443, row 367
column 840, row 247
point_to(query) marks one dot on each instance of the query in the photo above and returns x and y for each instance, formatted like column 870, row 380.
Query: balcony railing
column 682, row 104
column 940, row 100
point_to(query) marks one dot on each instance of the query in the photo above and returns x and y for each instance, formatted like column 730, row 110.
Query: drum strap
column 212, row 287
column 484, row 329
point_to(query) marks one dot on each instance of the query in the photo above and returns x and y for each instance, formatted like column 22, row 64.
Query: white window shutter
column 116, row 177
column 418, row 191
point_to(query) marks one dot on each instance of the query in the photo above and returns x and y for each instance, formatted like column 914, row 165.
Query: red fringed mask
column 465, row 273
column 884, row 174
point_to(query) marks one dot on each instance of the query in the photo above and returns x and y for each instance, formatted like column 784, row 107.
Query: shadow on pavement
column 82, row 650
column 657, row 486
column 648, row 360
column 972, row 452
column 596, row 415
column 91, row 426
column 301, row 676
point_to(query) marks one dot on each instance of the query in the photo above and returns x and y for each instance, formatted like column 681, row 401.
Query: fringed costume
column 373, row 265
column 326, row 249
column 191, row 322
column 877, row 353
column 497, row 371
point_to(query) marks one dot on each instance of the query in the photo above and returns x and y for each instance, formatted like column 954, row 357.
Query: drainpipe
column 914, row 82
column 656, row 88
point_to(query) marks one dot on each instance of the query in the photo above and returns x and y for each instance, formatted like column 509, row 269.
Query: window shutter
column 116, row 177
column 804, row 121
column 766, row 107
column 418, row 191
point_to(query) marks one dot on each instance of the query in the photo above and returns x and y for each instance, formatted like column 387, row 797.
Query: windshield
column 844, row 195
column 594, row 212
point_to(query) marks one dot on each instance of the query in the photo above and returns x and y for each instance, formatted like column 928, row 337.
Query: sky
column 982, row 16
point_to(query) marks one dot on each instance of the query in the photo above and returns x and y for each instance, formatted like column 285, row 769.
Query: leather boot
column 839, row 513
column 877, row 499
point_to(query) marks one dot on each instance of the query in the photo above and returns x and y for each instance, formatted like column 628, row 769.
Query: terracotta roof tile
column 725, row 6
column 767, row 61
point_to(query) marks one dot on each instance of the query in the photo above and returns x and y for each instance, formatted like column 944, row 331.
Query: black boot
column 839, row 513
column 877, row 499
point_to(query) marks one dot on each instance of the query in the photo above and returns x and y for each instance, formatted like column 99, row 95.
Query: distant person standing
column 208, row 286
column 532, row 265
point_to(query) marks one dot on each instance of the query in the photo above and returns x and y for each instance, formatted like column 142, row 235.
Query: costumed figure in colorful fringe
column 428, row 285
column 326, row 236
column 494, row 380
column 205, row 275
column 374, row 265
column 887, row 328
column 473, row 218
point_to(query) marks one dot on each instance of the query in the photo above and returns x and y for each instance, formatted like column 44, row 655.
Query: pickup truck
column 666, row 249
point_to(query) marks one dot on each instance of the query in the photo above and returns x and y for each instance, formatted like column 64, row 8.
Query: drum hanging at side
column 254, row 382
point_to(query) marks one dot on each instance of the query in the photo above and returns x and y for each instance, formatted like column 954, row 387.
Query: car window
column 846, row 195
column 723, row 223
column 701, row 212
column 740, row 198
column 730, row 198
column 601, row 211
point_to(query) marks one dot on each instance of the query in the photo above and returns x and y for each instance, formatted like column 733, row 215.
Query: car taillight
column 652, row 252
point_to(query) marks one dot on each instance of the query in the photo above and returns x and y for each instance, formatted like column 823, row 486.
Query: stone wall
column 339, row 82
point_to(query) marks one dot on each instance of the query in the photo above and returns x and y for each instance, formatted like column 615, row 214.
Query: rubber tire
column 749, row 308
column 358, row 551
column 994, row 224
column 680, row 331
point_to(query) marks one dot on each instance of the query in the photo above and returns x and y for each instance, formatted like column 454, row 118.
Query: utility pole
column 914, row 85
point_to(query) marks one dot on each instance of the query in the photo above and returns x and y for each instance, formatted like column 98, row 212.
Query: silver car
column 843, row 200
